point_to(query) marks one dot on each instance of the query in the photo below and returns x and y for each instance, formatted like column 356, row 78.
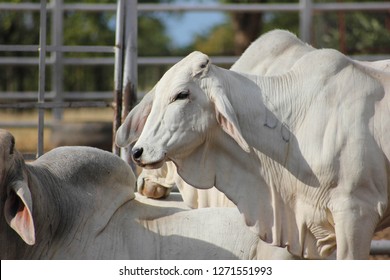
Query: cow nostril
column 137, row 153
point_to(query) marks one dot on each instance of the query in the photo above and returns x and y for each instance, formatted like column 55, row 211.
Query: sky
column 182, row 28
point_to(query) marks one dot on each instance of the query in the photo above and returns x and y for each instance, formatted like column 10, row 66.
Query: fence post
column 118, row 71
column 57, row 55
column 130, row 64
column 130, row 59
column 42, row 76
column 305, row 20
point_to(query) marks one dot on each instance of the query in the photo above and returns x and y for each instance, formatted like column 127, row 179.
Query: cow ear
column 201, row 65
column 18, row 211
column 227, row 119
column 135, row 121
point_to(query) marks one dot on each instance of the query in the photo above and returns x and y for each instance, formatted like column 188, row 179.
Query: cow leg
column 354, row 227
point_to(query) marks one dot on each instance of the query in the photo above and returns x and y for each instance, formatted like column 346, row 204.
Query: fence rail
column 294, row 7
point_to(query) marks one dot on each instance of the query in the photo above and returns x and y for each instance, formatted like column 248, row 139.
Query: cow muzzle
column 152, row 161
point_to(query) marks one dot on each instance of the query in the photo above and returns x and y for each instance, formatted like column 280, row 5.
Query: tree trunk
column 247, row 27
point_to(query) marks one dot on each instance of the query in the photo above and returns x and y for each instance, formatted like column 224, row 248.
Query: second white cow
column 304, row 155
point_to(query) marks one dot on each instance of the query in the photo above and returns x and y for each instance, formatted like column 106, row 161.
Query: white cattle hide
column 157, row 183
column 79, row 203
column 273, row 53
column 309, row 147
column 382, row 65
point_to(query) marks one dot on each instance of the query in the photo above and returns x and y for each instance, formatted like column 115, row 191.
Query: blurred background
column 87, row 73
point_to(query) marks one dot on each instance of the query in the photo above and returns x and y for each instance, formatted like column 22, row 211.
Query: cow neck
column 265, row 119
column 268, row 115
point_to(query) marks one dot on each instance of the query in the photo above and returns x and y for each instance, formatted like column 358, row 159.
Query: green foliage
column 86, row 28
column 365, row 32
column 219, row 41
column 353, row 33
column 79, row 28
column 152, row 41
column 16, row 28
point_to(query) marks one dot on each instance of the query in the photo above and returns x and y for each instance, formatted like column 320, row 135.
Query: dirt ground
column 27, row 137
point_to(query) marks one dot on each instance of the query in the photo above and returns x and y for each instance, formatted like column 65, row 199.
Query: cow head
column 16, row 200
column 183, row 111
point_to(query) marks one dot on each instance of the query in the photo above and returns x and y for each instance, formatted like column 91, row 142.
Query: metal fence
column 124, row 56
column 124, row 51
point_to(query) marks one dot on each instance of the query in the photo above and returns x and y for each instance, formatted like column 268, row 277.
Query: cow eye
column 182, row 95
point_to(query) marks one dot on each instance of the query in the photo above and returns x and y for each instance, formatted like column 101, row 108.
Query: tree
column 17, row 29
column 218, row 41
column 350, row 32
column 152, row 41
column 242, row 28
column 246, row 25
column 353, row 32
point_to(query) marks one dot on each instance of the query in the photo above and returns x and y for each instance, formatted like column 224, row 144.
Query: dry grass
column 27, row 138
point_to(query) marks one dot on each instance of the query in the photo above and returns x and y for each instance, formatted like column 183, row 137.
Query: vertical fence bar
column 42, row 77
column 305, row 20
column 57, row 55
column 118, row 71
column 130, row 63
column 130, row 59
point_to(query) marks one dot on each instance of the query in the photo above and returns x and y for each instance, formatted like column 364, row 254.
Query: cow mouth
column 152, row 165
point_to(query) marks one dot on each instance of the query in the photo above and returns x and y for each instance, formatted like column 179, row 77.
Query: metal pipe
column 42, row 77
column 305, row 20
column 130, row 77
column 118, row 72
column 130, row 57
column 57, row 48
column 380, row 247
column 50, row 95
column 217, row 8
column 368, row 6
column 50, row 60
column 156, row 60
column 363, row 6
column 56, row 104
column 57, row 57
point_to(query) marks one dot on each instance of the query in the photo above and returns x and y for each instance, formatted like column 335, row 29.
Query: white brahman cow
column 79, row 203
column 274, row 52
column 304, row 155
